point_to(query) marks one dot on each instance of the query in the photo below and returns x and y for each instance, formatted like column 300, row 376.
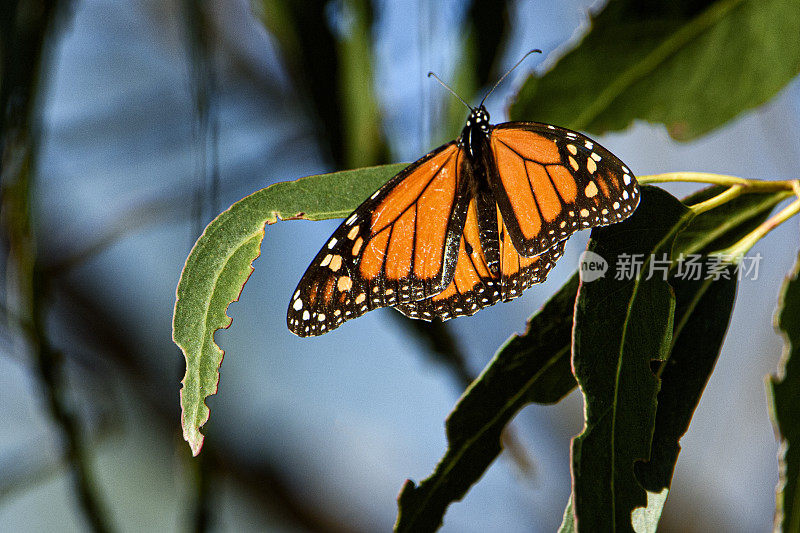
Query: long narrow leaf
column 725, row 56
column 221, row 261
column 784, row 392
column 702, row 313
column 703, row 310
column 621, row 326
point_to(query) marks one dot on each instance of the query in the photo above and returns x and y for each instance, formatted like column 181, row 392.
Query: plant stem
column 723, row 197
column 735, row 252
column 719, row 179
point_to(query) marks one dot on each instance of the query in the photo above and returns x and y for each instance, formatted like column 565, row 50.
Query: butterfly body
column 473, row 222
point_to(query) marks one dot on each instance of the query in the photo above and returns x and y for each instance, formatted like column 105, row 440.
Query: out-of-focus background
column 153, row 116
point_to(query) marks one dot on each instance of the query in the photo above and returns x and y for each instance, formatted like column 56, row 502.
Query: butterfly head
column 479, row 118
column 476, row 129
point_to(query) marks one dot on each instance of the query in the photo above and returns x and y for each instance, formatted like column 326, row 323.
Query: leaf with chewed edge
column 221, row 262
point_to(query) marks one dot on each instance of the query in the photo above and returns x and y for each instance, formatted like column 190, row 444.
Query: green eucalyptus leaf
column 221, row 261
column 691, row 65
column 505, row 385
column 621, row 327
column 523, row 371
column 702, row 313
column 784, row 393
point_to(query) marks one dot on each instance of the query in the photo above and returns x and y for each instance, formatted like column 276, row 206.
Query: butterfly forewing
column 398, row 246
column 551, row 182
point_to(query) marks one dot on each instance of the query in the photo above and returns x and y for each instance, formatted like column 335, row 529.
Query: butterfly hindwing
column 551, row 182
column 475, row 284
column 398, row 246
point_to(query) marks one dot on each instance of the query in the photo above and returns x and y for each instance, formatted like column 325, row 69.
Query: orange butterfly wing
column 550, row 182
column 474, row 285
column 396, row 247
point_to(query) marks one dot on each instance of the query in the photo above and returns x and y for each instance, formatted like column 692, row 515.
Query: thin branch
column 49, row 364
column 736, row 252
column 25, row 41
column 716, row 201
column 719, row 179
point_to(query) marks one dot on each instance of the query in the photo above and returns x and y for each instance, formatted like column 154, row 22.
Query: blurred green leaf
column 465, row 84
column 691, row 65
column 309, row 47
column 621, row 326
column 488, row 20
column 784, row 393
column 221, row 261
column 523, row 371
column 363, row 143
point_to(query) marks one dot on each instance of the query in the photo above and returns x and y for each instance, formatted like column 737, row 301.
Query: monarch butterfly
column 473, row 222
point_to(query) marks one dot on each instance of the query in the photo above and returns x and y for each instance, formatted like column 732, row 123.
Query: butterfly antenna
column 449, row 89
column 535, row 50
